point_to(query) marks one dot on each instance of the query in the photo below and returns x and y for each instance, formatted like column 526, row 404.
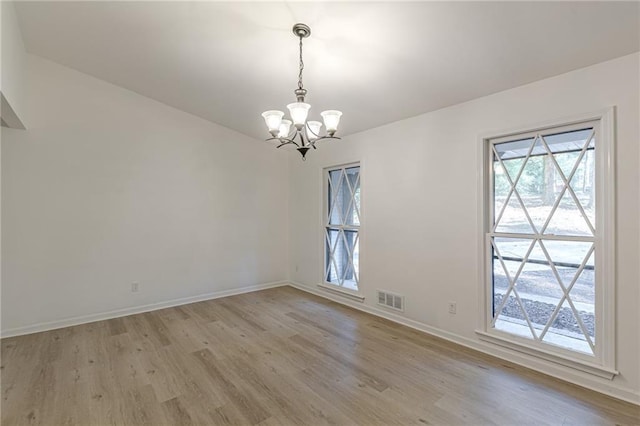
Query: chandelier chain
column 301, row 66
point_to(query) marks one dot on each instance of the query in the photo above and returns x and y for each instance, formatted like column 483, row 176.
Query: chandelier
column 303, row 134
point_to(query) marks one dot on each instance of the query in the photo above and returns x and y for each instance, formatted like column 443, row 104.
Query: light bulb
column 285, row 127
column 299, row 112
column 313, row 130
column 273, row 119
column 331, row 120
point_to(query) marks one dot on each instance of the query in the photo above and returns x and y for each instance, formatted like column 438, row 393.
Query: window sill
column 351, row 294
column 585, row 366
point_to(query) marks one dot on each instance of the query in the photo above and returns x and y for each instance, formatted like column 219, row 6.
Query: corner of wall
column 12, row 53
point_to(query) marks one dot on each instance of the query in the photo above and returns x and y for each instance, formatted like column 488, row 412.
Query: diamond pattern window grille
column 542, row 238
column 342, row 226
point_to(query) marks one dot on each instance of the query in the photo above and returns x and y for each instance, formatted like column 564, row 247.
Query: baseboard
column 545, row 367
column 83, row 319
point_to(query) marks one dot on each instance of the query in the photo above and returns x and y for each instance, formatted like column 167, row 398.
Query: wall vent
column 391, row 300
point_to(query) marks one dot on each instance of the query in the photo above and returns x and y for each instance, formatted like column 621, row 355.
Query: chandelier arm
column 303, row 140
column 283, row 141
column 311, row 143
column 287, row 143
column 326, row 137
column 309, row 129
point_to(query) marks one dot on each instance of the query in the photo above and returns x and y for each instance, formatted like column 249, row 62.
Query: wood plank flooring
column 276, row 357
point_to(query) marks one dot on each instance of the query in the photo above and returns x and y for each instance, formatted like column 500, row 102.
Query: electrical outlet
column 452, row 307
column 135, row 287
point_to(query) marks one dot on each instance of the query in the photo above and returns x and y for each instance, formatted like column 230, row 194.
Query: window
column 342, row 226
column 548, row 242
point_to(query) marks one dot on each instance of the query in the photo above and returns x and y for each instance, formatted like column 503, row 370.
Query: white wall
column 420, row 207
column 12, row 66
column 107, row 187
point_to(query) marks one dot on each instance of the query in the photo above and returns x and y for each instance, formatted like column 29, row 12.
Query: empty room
column 320, row 213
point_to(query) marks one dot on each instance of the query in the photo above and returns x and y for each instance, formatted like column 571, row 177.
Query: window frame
column 602, row 364
column 356, row 295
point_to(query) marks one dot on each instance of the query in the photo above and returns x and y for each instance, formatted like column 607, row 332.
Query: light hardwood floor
column 273, row 357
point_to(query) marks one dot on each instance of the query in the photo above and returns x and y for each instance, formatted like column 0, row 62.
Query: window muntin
column 342, row 226
column 542, row 237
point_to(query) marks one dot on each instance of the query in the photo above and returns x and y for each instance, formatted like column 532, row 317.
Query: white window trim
column 603, row 364
column 322, row 284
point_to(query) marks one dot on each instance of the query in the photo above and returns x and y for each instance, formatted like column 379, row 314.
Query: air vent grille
column 391, row 300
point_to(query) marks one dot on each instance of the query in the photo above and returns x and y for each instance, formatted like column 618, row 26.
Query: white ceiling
column 377, row 62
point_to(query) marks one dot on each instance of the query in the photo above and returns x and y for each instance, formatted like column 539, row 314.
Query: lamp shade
column 313, row 129
column 331, row 119
column 273, row 119
column 285, row 127
column 299, row 112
